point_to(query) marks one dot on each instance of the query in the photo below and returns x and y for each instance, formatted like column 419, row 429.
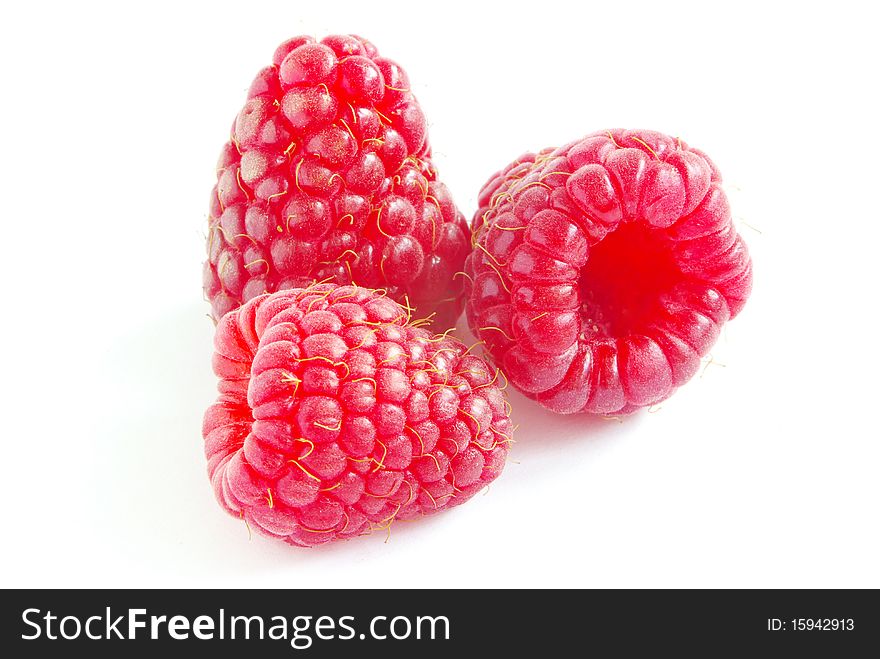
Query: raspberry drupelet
column 337, row 415
column 327, row 175
column 602, row 271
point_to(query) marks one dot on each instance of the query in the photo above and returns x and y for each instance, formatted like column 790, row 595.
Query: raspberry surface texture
column 327, row 176
column 602, row 271
column 336, row 415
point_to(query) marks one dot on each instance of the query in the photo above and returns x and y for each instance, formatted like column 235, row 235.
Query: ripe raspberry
column 603, row 270
column 337, row 415
column 327, row 175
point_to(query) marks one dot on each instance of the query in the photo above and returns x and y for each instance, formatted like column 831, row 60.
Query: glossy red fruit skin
column 327, row 176
column 602, row 271
column 336, row 416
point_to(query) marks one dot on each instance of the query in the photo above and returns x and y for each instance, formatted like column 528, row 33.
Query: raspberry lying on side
column 337, row 415
column 327, row 176
column 603, row 270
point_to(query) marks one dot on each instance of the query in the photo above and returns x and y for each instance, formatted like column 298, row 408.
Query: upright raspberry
column 603, row 270
column 327, row 175
column 337, row 415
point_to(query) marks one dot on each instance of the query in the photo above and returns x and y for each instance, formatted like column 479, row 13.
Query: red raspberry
column 603, row 270
column 327, row 175
column 338, row 415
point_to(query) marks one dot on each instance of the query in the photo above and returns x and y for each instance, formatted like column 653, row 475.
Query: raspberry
column 327, row 176
column 603, row 270
column 338, row 415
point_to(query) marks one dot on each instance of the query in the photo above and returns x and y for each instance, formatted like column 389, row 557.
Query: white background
column 761, row 472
